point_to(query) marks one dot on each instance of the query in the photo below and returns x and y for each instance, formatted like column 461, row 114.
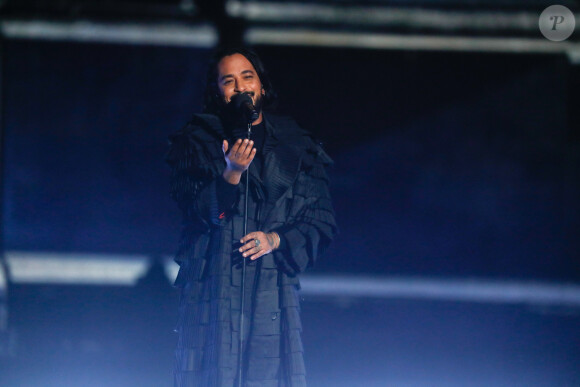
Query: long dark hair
column 213, row 103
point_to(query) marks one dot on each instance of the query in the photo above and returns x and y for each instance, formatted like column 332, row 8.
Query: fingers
column 246, row 149
column 240, row 155
column 243, row 149
column 255, row 253
column 250, row 249
column 252, row 155
column 236, row 146
column 248, row 241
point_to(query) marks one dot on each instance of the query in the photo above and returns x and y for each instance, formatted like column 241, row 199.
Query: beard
column 258, row 102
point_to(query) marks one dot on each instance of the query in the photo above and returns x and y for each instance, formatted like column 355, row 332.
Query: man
column 290, row 223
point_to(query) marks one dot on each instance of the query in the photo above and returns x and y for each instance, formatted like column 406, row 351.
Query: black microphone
column 243, row 104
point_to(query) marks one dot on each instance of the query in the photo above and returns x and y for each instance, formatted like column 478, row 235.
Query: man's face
column 237, row 75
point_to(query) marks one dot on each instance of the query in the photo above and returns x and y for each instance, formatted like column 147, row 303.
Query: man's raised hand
column 238, row 159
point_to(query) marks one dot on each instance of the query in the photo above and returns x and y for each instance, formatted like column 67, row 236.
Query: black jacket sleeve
column 196, row 183
column 311, row 226
column 226, row 194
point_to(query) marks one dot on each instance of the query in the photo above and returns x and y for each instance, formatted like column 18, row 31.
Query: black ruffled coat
column 290, row 196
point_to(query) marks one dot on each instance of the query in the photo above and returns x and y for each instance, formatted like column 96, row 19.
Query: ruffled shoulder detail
column 315, row 154
column 193, row 141
column 194, row 154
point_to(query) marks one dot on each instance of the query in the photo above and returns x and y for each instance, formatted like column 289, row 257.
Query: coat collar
column 281, row 163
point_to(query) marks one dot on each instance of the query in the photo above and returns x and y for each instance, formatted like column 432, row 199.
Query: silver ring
column 257, row 242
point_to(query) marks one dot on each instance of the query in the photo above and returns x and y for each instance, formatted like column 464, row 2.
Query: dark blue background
column 446, row 163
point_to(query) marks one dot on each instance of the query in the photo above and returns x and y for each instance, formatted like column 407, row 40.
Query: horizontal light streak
column 126, row 270
column 167, row 34
column 471, row 290
column 382, row 16
column 206, row 36
column 76, row 268
column 310, row 37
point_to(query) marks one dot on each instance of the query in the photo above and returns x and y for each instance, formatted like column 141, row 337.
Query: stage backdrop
column 445, row 164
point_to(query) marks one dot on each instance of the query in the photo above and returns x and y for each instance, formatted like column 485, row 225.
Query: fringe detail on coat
column 300, row 210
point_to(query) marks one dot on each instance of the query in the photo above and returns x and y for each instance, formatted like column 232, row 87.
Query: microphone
column 243, row 104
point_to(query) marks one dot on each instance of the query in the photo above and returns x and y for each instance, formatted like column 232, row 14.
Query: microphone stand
column 243, row 291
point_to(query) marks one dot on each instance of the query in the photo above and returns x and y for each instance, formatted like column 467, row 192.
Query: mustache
column 248, row 93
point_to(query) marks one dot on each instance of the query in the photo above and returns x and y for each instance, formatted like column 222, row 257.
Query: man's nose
column 239, row 87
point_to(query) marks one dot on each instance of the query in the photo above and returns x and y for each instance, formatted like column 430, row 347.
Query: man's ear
column 263, row 91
